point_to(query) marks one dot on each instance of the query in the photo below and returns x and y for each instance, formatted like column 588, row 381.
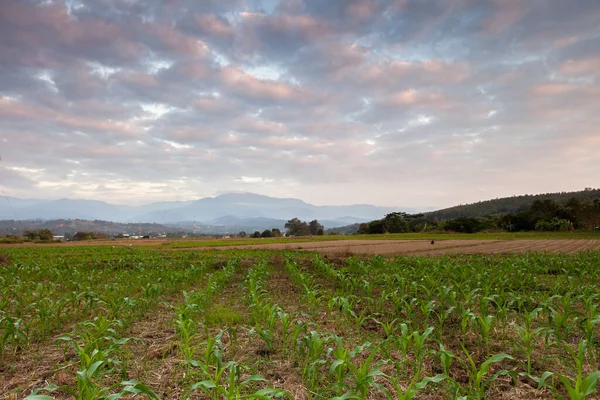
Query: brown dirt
column 424, row 247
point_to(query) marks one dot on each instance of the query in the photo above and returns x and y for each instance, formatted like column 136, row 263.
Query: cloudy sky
column 416, row 103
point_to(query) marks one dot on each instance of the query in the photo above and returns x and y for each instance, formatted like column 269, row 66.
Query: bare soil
column 425, row 248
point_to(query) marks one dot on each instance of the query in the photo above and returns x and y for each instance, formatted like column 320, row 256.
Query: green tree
column 276, row 232
column 396, row 222
column 266, row 233
column 314, row 227
column 376, row 227
column 242, row 234
column 296, row 227
column 41, row 234
column 463, row 224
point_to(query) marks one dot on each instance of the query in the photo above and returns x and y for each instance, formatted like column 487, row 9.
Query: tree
column 256, row 234
column 296, row 227
column 267, row 233
column 376, row 227
column 88, row 236
column 41, row 234
column 314, row 227
column 276, row 232
column 396, row 222
column 463, row 224
column 363, row 228
column 242, row 234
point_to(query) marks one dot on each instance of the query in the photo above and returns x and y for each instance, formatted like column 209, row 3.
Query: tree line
column 510, row 205
column 294, row 226
column 542, row 215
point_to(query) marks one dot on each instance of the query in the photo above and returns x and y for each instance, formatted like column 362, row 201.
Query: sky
column 409, row 103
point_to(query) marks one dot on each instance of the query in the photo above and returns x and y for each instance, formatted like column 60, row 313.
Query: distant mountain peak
column 227, row 207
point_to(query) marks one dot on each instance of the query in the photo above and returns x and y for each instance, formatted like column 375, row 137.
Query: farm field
column 107, row 322
column 440, row 247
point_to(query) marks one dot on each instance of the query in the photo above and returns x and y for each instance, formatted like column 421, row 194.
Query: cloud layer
column 388, row 102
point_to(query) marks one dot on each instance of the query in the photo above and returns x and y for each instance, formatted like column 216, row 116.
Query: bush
column 88, row 236
column 267, row 233
column 463, row 225
column 41, row 234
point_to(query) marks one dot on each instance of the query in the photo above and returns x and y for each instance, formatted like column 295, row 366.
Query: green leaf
column 254, row 378
column 589, row 383
column 204, row 385
column 138, row 388
column 541, row 381
column 346, row 396
column 91, row 371
column 573, row 394
column 425, row 381
column 335, row 364
column 496, row 358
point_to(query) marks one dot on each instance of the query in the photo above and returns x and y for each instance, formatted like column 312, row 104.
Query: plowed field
column 424, row 247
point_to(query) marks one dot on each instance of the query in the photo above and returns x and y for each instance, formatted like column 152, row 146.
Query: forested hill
column 506, row 205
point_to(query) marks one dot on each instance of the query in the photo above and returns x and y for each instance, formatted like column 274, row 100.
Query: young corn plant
column 186, row 330
column 85, row 388
column 14, row 332
column 484, row 326
column 582, row 386
column 231, row 386
column 266, row 335
column 528, row 336
column 360, row 374
column 480, row 380
column 413, row 388
column 313, row 347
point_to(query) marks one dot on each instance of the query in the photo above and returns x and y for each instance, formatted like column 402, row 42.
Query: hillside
column 506, row 205
column 62, row 226
column 206, row 211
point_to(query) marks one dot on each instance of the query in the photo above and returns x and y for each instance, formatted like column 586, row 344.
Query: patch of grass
column 220, row 315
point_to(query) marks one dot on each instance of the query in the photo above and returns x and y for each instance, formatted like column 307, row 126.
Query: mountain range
column 240, row 210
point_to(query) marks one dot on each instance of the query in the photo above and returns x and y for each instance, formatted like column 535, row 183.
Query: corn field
column 109, row 323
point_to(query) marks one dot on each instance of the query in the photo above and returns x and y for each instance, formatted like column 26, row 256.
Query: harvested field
column 424, row 247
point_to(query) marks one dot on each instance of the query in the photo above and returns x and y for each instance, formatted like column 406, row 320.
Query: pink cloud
column 286, row 143
column 362, row 9
column 301, row 27
column 411, row 97
column 388, row 75
column 327, row 128
column 176, row 41
column 191, row 134
column 213, row 105
column 136, row 78
column 551, row 89
column 587, row 66
column 255, row 125
column 18, row 110
column 213, row 25
column 41, row 27
column 505, row 14
column 104, row 151
column 195, row 69
column 238, row 81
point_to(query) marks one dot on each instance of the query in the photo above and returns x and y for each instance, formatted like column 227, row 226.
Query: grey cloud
column 384, row 94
